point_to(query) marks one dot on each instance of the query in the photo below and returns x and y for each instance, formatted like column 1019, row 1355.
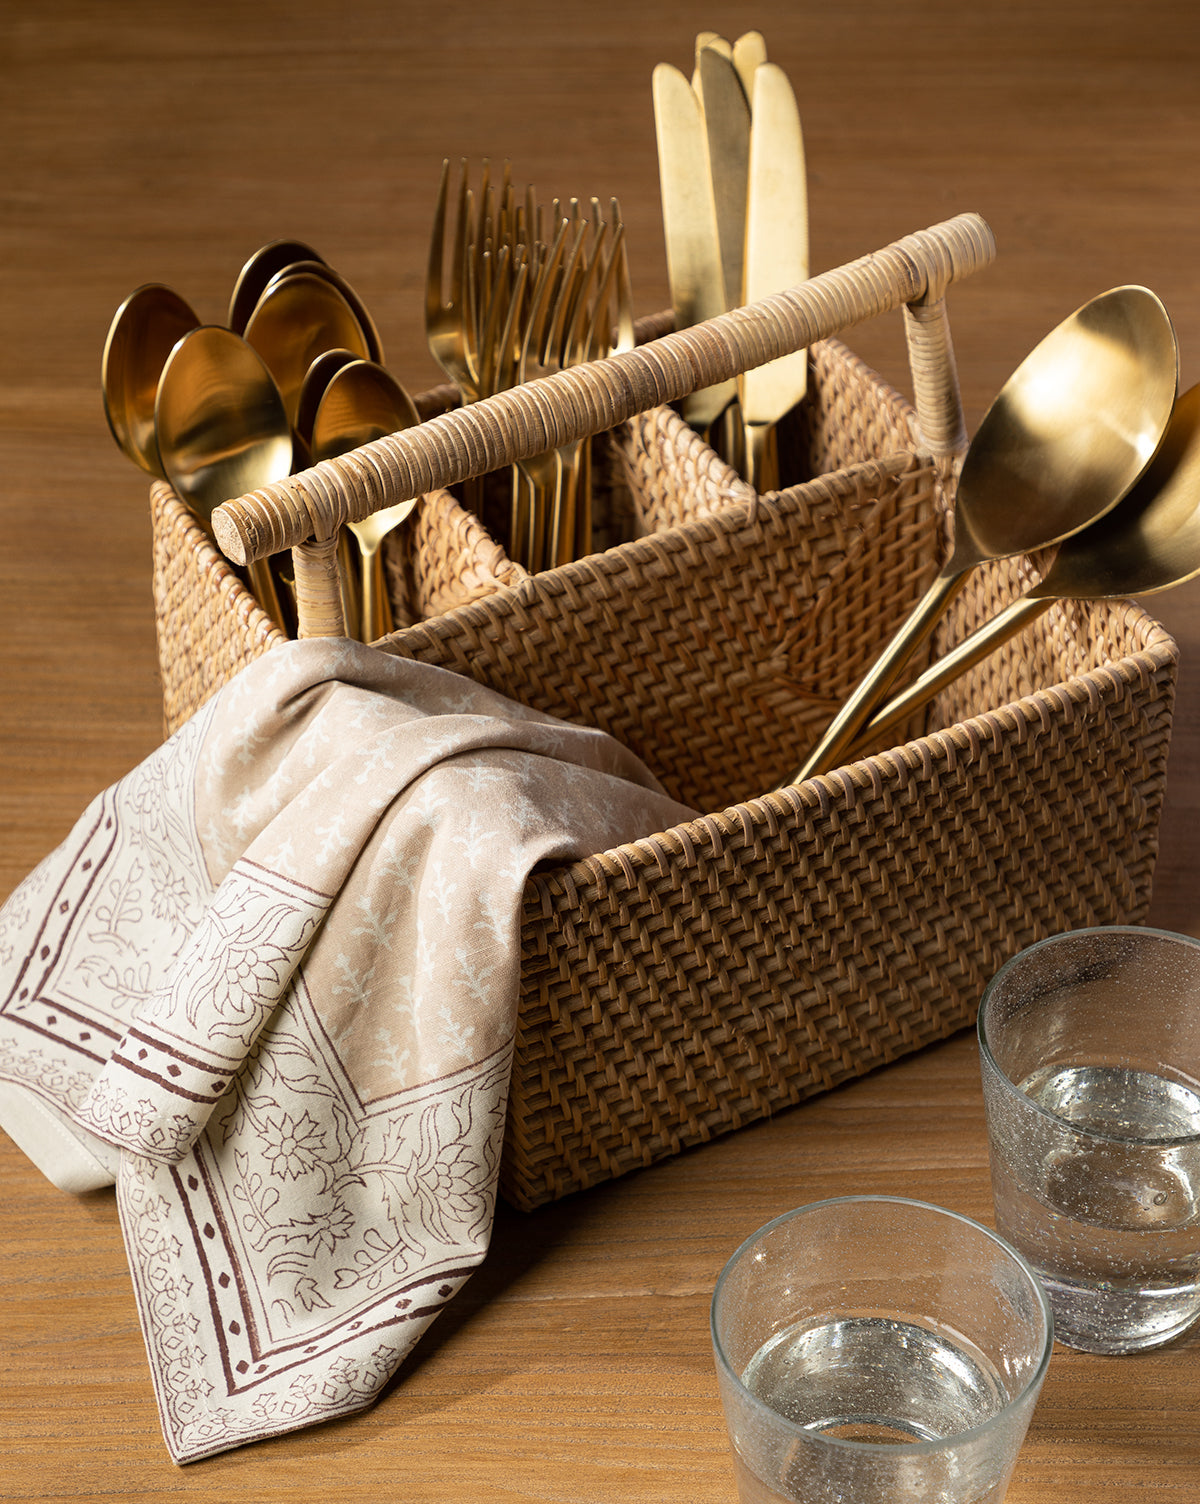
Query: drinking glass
column 877, row 1349
column 1089, row 1045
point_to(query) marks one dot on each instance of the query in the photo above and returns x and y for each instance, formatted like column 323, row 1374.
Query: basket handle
column 583, row 400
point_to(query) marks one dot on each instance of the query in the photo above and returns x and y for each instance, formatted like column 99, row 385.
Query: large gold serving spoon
column 1149, row 542
column 363, row 402
column 144, row 330
column 222, row 431
column 1069, row 434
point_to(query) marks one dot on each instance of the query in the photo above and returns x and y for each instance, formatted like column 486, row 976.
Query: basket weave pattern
column 209, row 626
column 710, row 975
column 706, row 976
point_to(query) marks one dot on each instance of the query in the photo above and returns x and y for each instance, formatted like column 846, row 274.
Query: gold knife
column 748, row 52
column 727, row 126
column 727, row 123
column 689, row 223
column 708, row 39
column 776, row 259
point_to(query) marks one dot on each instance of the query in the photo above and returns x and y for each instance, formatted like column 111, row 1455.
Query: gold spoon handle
column 376, row 608
column 843, row 730
column 566, row 503
column 262, row 584
column 972, row 650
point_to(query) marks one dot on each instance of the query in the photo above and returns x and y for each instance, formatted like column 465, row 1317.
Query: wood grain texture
column 149, row 142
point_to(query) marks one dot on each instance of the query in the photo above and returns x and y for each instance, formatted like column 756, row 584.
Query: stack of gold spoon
column 214, row 409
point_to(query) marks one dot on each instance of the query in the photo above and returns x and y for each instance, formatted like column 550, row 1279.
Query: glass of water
column 877, row 1349
column 1090, row 1051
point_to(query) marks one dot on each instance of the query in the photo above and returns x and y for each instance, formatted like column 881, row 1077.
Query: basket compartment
column 209, row 626
column 710, row 975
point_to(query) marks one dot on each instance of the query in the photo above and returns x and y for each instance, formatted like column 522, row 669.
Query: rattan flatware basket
column 782, row 942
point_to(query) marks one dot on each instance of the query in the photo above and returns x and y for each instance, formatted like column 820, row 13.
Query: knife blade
column 749, row 51
column 689, row 222
column 776, row 258
column 708, row 39
column 727, row 126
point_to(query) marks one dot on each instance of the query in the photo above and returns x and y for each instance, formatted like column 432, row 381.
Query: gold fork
column 445, row 305
column 570, row 324
column 515, row 309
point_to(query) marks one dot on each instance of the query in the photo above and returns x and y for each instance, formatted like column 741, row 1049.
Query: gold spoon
column 363, row 402
column 335, row 279
column 144, row 331
column 253, row 278
column 1068, row 435
column 312, row 389
column 298, row 318
column 1149, row 542
column 222, row 431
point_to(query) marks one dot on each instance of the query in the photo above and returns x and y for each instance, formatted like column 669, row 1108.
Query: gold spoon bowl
column 362, row 313
column 1067, row 437
column 1149, row 542
column 299, row 317
column 144, row 330
column 222, row 431
column 259, row 271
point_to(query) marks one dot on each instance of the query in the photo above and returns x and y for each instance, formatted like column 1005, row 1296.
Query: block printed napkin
column 267, row 987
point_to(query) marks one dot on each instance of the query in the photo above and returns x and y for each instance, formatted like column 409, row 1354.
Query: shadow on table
column 519, row 1242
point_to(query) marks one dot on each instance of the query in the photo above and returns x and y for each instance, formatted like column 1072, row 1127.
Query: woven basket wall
column 780, row 943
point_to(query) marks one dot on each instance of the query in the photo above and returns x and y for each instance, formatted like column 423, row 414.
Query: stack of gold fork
column 525, row 292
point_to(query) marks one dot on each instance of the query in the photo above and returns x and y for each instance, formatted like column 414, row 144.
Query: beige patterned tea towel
column 268, row 985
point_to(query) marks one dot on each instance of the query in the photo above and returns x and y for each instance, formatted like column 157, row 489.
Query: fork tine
column 542, row 303
column 489, row 345
column 597, row 333
column 625, row 337
column 445, row 308
column 512, row 323
column 467, row 296
column 504, row 211
column 577, row 333
column 574, row 270
column 486, row 193
column 434, row 303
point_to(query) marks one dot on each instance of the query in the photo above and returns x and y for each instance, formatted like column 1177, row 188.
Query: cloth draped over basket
column 268, row 986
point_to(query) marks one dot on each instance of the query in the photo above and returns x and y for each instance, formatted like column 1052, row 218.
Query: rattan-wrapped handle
column 583, row 400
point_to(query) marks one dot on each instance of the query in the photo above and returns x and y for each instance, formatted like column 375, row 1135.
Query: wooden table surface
column 145, row 141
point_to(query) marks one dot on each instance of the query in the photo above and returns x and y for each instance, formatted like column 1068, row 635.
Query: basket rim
column 841, row 789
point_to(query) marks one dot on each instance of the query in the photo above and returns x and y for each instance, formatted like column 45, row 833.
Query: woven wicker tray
column 706, row 976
